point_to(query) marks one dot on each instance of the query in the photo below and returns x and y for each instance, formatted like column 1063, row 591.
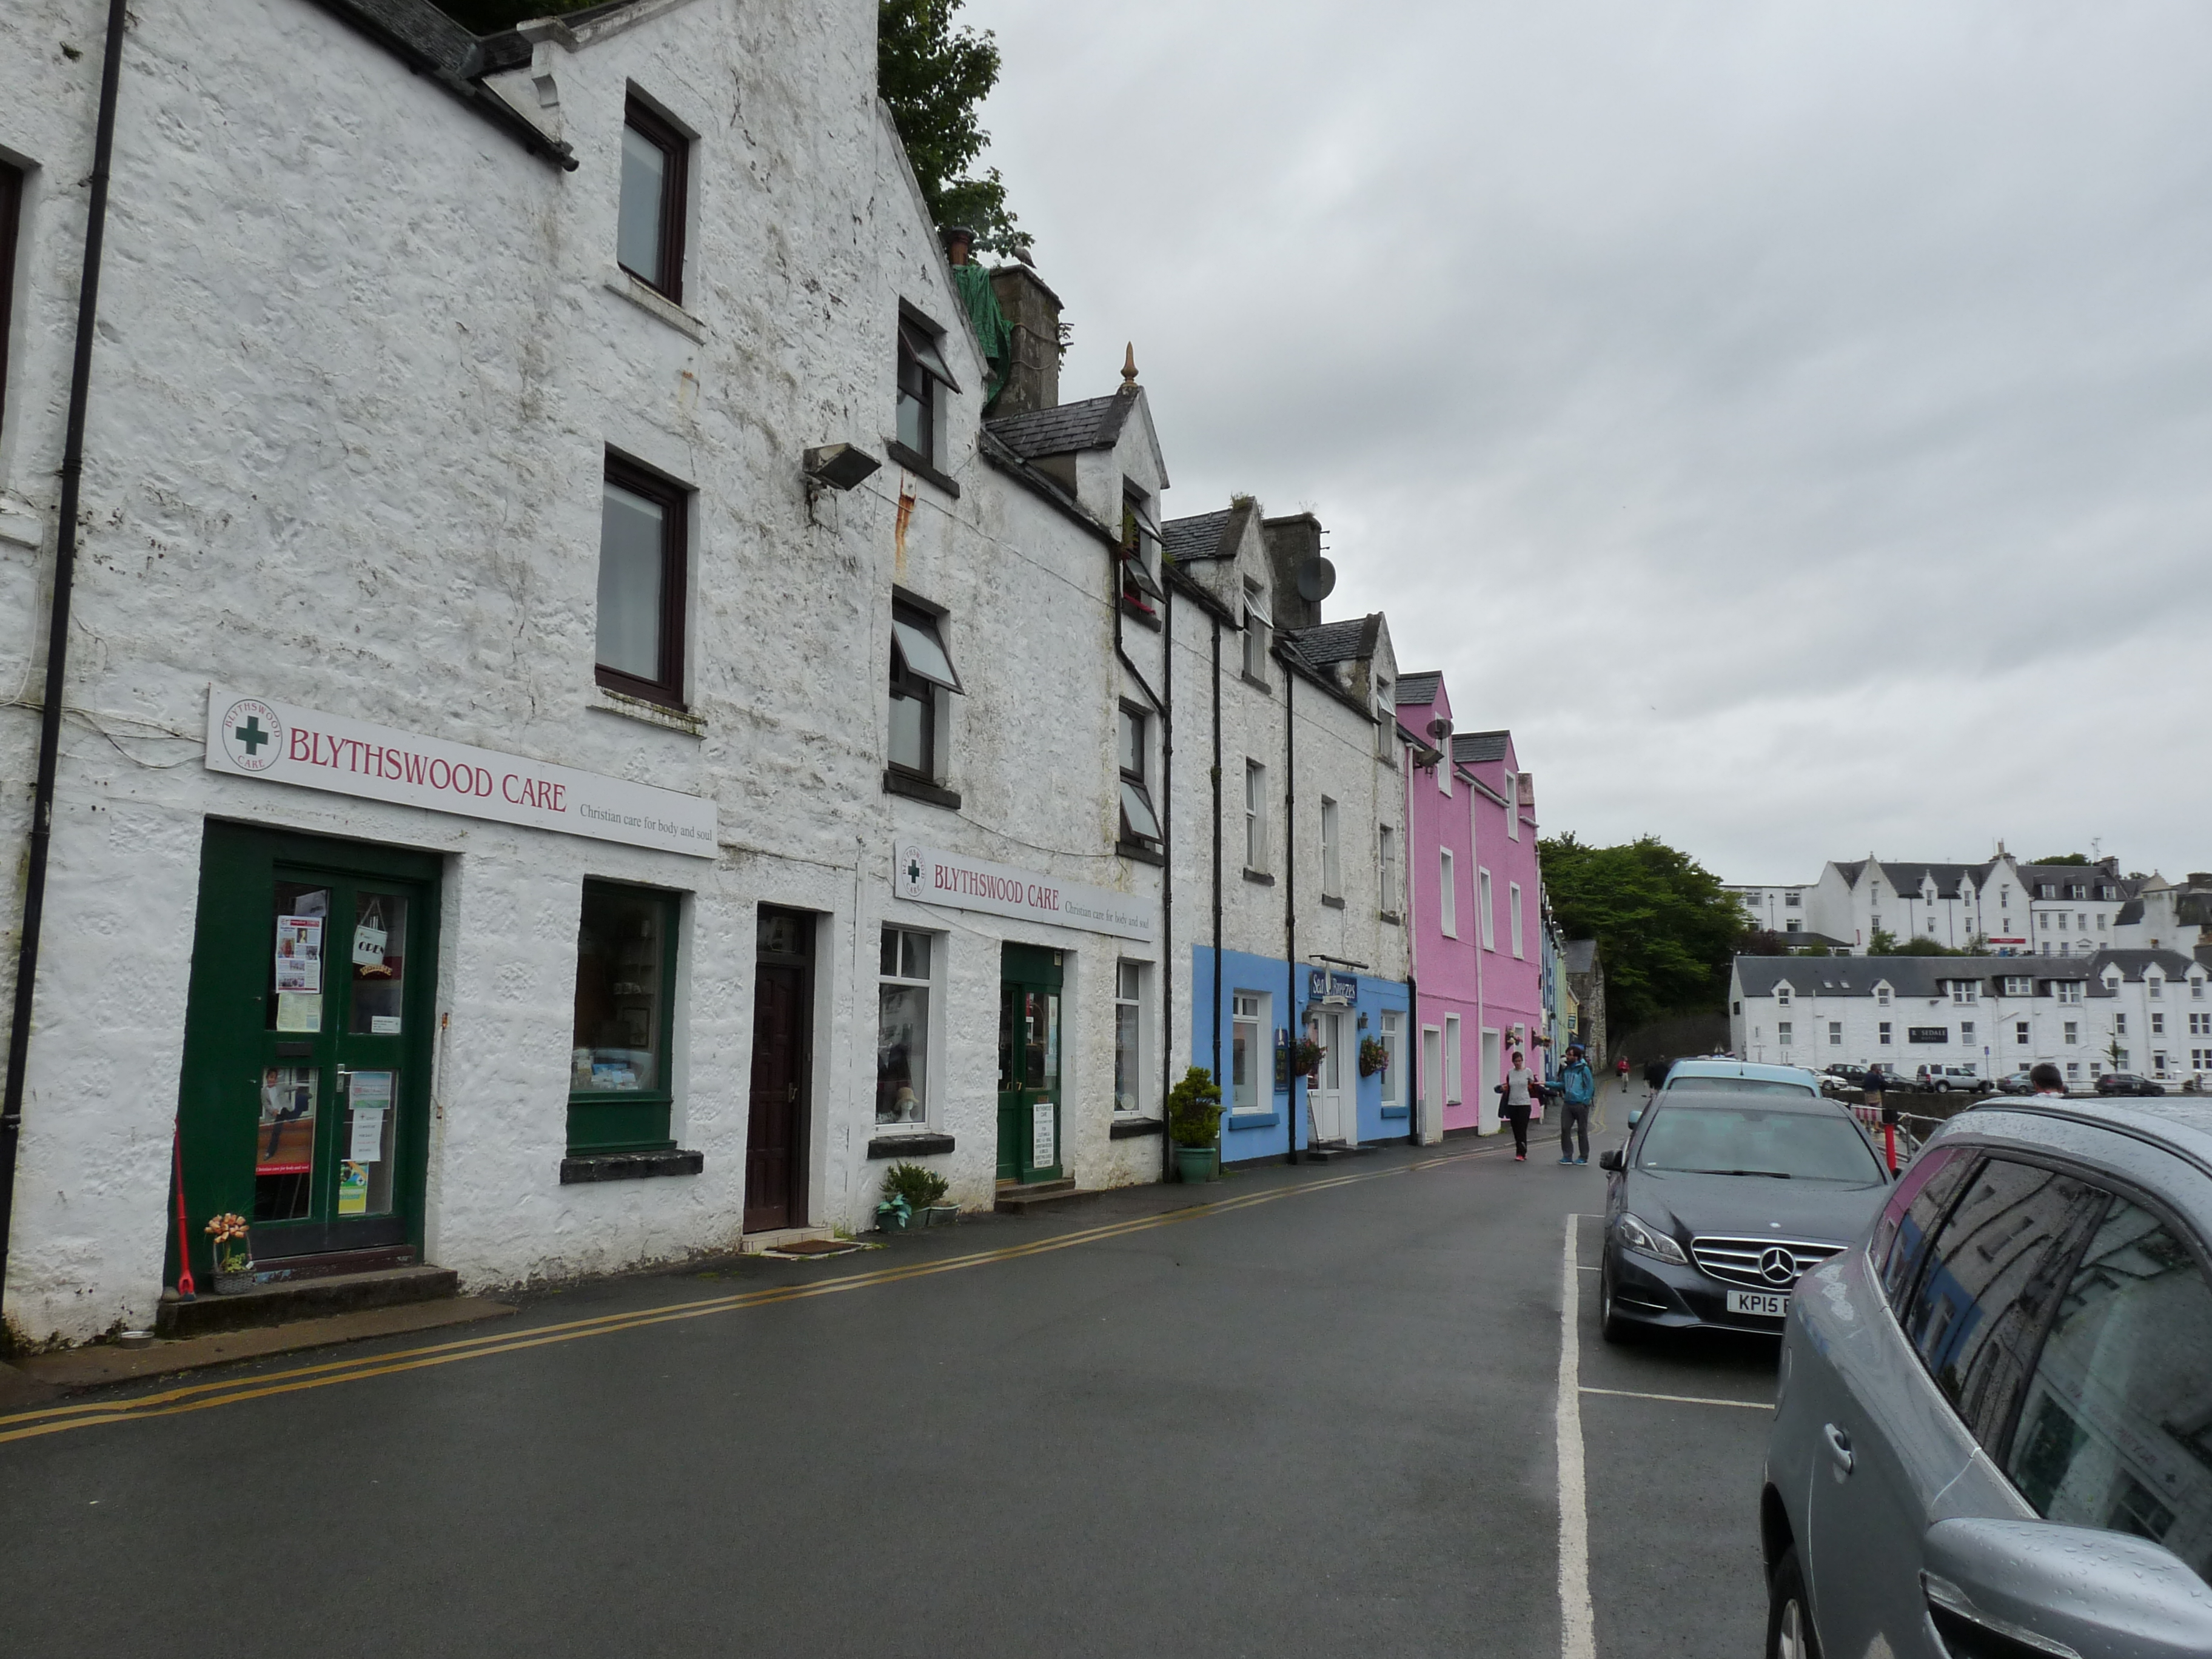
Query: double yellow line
column 172, row 1402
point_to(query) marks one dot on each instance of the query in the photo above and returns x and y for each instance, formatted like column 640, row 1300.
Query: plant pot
column 939, row 1215
column 233, row 1284
column 1194, row 1164
column 891, row 1221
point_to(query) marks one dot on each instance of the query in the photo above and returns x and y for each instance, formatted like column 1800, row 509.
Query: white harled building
column 528, row 803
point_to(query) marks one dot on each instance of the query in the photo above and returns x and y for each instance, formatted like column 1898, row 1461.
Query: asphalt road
column 1316, row 1418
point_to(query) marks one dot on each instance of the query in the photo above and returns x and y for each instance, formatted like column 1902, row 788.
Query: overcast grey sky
column 1794, row 420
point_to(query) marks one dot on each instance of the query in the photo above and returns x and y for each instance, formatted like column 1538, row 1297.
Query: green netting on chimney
column 992, row 332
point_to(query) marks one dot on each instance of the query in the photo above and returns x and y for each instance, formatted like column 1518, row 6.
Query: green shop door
column 305, row 1104
column 1029, row 1064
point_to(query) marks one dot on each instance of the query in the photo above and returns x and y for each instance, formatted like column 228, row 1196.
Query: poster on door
column 299, row 954
column 1043, row 1147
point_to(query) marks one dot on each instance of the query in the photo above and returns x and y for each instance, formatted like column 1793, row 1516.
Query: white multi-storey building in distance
column 2111, row 1011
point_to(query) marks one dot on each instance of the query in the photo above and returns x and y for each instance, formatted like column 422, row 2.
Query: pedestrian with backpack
column 1577, row 1088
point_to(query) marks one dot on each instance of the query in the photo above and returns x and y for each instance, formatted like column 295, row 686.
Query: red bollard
column 184, row 1242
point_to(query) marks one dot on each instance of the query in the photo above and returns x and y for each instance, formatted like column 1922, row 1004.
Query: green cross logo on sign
column 253, row 736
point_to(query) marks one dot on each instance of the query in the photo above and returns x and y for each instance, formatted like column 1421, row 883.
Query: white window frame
column 1513, row 915
column 932, row 1024
column 1386, row 853
column 1140, row 1001
column 2070, row 1033
column 1446, row 895
column 2021, row 1036
column 1332, row 856
column 1782, row 1029
column 1965, row 992
column 2066, row 990
column 1484, row 907
column 1882, row 996
column 1253, row 1008
column 1391, row 1026
column 1256, row 626
column 2158, row 1022
column 1835, row 1034
column 1882, row 1036
column 1455, row 1084
column 1513, row 810
column 1255, row 817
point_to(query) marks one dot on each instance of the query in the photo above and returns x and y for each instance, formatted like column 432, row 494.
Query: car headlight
column 1650, row 1241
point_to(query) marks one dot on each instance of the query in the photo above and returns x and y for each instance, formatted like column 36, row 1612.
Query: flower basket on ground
column 234, row 1265
column 914, row 1195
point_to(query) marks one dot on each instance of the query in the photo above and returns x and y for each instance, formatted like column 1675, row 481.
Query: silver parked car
column 1993, row 1435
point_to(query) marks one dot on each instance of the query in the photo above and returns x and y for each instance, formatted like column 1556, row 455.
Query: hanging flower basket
column 1374, row 1056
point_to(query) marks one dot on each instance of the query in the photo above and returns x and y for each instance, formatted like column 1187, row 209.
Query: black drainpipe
column 58, row 626
column 1166, row 808
column 1217, row 998
column 1293, row 1026
column 1413, row 1061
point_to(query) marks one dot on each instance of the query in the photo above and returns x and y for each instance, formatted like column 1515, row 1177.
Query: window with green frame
column 619, row 1085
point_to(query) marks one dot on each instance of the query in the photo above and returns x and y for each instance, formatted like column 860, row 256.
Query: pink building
column 1477, row 909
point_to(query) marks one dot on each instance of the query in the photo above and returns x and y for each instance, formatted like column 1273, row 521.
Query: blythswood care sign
column 934, row 877
column 254, row 737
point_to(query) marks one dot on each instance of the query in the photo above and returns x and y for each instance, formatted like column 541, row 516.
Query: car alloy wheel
column 1789, row 1632
column 1610, row 1324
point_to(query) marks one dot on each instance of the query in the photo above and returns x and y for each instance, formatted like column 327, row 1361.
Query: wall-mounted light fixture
column 839, row 466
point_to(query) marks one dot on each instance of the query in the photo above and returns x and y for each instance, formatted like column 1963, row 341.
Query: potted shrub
column 1194, row 1121
column 1373, row 1056
column 915, row 1195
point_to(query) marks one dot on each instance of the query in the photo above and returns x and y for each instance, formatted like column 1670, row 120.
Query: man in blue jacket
column 1578, row 1088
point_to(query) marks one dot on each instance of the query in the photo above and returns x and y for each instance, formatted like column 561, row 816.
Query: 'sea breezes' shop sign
column 258, row 738
column 934, row 877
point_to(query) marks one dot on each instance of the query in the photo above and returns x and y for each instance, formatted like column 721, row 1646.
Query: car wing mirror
column 1634, row 1118
column 1610, row 1160
column 2029, row 1586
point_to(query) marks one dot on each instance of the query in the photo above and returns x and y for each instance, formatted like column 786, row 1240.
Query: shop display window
column 903, row 1028
column 618, row 1086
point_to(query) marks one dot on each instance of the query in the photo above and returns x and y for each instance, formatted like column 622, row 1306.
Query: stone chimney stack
column 1033, row 310
column 1291, row 541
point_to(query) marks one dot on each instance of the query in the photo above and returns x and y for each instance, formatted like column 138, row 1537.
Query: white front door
column 1328, row 1092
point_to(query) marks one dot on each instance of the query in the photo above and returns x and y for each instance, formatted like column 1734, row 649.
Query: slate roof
column 1581, row 955
column 1850, row 870
column 1417, row 690
column 1201, row 537
column 1907, row 878
column 1338, row 641
column 1475, row 747
column 1093, row 423
column 1927, row 976
column 2130, row 913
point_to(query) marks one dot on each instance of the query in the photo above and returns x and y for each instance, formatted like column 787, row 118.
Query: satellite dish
column 1316, row 579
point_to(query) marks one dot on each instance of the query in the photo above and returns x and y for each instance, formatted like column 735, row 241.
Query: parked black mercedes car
column 1719, row 1202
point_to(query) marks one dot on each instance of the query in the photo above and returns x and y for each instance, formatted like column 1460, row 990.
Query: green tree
column 934, row 77
column 1665, row 926
column 2064, row 858
column 1882, row 943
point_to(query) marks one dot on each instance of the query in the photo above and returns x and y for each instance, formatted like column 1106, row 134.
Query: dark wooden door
column 775, row 1131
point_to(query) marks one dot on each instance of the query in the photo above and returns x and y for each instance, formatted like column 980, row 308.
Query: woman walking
column 1518, row 1094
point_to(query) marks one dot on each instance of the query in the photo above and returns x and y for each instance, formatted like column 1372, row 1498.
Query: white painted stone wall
column 361, row 358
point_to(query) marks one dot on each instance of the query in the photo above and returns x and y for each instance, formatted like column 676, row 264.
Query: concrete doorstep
column 105, row 1362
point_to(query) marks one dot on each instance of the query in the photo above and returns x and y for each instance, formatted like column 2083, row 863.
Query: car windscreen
column 1748, row 1140
column 1741, row 1085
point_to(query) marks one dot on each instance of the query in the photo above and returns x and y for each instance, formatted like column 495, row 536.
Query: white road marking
column 1682, row 1399
column 1588, row 1269
column 1577, row 1631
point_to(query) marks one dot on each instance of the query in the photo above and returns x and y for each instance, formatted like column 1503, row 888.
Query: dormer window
column 1882, row 996
column 1141, row 552
column 2156, row 985
column 1782, row 995
column 1255, row 633
column 2066, row 990
column 1386, row 722
column 1966, row 992
column 921, row 371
